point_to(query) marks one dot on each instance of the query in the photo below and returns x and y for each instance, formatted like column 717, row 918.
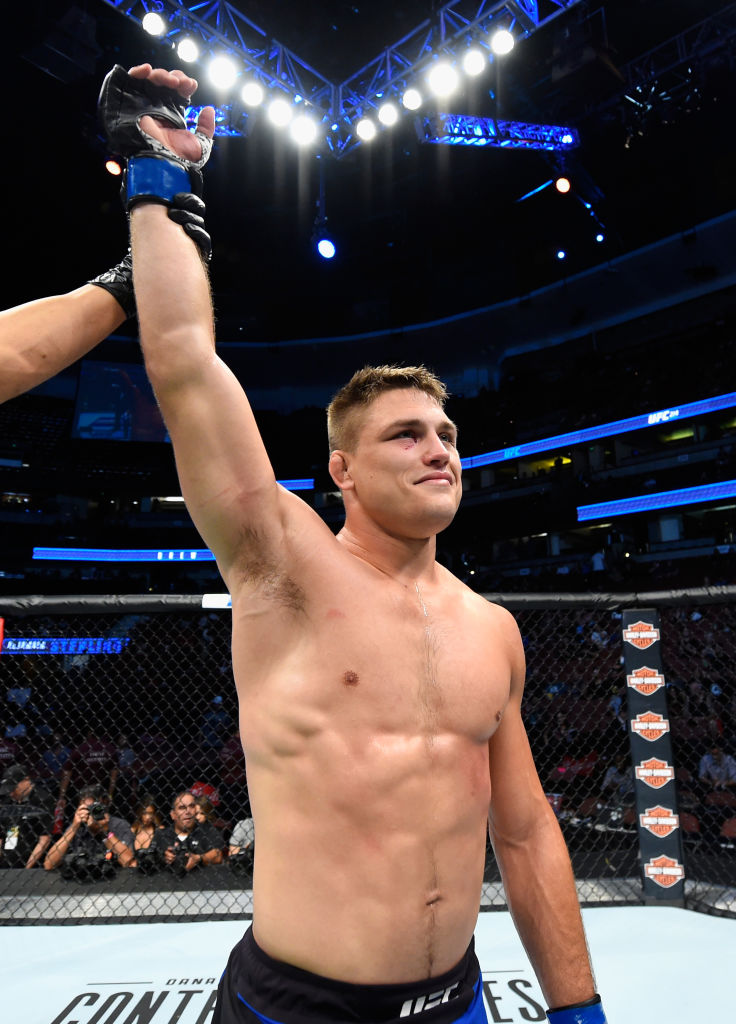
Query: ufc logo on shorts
column 421, row 1003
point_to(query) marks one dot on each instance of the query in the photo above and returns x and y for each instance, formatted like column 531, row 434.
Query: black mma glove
column 154, row 173
column 189, row 210
column 118, row 281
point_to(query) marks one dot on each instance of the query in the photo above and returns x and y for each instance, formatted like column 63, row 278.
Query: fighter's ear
column 339, row 470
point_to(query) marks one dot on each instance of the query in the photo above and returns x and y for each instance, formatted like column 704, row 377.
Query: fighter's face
column 405, row 469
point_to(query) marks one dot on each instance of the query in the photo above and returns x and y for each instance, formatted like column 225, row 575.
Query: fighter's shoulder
column 493, row 614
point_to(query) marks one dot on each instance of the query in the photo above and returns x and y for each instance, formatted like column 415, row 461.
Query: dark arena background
column 585, row 330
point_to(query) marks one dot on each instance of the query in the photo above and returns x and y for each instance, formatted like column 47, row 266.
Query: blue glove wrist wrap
column 587, row 1013
column 155, row 179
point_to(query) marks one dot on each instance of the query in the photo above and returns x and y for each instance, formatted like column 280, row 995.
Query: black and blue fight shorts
column 259, row 990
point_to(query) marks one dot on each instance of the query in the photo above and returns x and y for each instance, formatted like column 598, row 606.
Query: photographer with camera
column 26, row 819
column 186, row 843
column 94, row 843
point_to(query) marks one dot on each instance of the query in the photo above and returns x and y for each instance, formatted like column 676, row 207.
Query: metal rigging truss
column 219, row 28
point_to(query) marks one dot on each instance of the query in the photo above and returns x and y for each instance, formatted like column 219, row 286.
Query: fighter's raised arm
column 40, row 338
column 225, row 473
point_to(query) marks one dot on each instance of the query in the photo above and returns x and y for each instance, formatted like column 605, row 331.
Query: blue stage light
column 600, row 237
column 326, row 248
column 465, row 130
column 561, row 254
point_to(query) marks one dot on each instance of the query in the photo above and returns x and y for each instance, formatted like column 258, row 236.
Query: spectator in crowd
column 125, row 785
column 242, row 848
column 206, row 811
column 717, row 769
column 233, row 779
column 243, row 837
column 92, row 763
column 9, row 752
column 186, row 843
column 618, row 781
column 93, row 837
column 146, row 823
column 54, row 758
column 215, row 726
column 26, row 819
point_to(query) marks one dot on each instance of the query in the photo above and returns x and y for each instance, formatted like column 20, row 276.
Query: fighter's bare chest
column 395, row 658
column 428, row 662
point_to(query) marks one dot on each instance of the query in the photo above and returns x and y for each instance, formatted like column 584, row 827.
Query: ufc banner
column 658, row 820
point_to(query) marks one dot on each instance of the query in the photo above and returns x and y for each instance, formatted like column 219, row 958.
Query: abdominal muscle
column 365, row 729
column 370, row 854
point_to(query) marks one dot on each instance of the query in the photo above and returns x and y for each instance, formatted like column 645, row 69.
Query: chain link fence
column 126, row 705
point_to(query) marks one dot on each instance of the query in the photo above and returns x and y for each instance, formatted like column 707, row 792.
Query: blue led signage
column 64, row 644
column 662, row 499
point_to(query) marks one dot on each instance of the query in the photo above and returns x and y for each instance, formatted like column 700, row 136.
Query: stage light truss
column 671, row 65
column 689, row 47
column 219, row 28
column 464, row 130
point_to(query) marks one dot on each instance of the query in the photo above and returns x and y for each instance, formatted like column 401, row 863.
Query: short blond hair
column 343, row 425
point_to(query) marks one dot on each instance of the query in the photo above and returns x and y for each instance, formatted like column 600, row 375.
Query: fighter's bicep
column 225, row 473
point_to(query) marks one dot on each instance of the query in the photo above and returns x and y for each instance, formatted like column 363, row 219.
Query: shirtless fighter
column 380, row 698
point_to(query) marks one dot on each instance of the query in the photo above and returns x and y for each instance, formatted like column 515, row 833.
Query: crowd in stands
column 630, row 369
column 113, row 757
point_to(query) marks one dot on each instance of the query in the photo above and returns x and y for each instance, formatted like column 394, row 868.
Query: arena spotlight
column 388, row 114
column 561, row 254
column 303, row 130
column 502, row 42
column 222, row 72
column 600, row 237
column 252, row 94
column 562, row 185
column 443, row 79
column 153, row 23
column 113, row 167
column 365, row 129
column 280, row 112
column 412, row 99
column 326, row 247
column 474, row 62
column 187, row 50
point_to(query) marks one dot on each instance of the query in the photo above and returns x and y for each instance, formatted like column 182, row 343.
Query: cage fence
column 124, row 703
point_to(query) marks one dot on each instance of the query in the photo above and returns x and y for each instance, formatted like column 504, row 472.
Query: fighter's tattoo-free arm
column 533, row 858
column 39, row 339
column 225, row 474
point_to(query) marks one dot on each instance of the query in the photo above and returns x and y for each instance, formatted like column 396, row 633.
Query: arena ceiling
column 423, row 231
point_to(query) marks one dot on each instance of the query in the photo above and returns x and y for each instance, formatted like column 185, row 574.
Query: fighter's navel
column 350, row 678
column 499, row 716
